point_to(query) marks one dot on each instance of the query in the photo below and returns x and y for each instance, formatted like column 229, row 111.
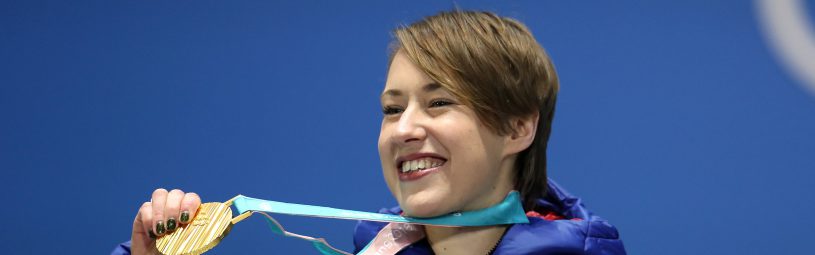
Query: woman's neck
column 464, row 240
column 474, row 240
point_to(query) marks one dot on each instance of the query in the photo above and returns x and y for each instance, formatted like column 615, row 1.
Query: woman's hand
column 162, row 215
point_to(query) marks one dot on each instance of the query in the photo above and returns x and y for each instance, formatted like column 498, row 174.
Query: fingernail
column 185, row 216
column 160, row 227
column 171, row 224
column 151, row 234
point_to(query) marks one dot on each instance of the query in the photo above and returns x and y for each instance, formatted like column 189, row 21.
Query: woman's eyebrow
column 391, row 93
column 430, row 87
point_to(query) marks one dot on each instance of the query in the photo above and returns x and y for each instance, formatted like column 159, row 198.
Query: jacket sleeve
column 121, row 249
column 603, row 239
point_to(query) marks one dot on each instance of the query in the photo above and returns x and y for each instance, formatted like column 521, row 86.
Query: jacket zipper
column 499, row 241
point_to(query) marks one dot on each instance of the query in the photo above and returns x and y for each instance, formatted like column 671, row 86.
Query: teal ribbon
column 509, row 211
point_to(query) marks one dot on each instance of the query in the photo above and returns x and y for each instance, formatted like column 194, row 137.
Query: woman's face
column 437, row 157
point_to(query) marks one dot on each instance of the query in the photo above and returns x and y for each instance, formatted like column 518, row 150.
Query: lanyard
column 508, row 211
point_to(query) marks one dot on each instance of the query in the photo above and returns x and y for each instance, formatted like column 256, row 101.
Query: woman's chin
column 424, row 207
column 420, row 213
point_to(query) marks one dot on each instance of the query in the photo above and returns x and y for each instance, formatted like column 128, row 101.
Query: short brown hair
column 494, row 65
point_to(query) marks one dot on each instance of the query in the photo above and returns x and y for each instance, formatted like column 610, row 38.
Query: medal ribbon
column 401, row 230
column 509, row 211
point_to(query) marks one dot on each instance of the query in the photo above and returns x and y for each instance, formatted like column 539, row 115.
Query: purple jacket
column 578, row 232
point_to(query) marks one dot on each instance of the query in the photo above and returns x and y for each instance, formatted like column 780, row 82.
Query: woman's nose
column 411, row 126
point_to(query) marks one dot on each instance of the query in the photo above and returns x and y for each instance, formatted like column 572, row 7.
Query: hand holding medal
column 166, row 211
column 213, row 221
column 211, row 224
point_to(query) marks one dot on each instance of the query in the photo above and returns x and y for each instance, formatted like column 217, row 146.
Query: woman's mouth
column 419, row 167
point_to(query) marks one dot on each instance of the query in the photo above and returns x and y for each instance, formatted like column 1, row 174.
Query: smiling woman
column 467, row 112
column 492, row 73
column 468, row 106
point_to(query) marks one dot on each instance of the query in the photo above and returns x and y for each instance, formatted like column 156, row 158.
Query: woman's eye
column 439, row 103
column 390, row 110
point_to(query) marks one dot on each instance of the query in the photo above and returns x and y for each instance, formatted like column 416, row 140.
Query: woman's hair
column 496, row 67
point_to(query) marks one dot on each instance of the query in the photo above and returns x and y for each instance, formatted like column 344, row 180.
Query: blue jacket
column 568, row 228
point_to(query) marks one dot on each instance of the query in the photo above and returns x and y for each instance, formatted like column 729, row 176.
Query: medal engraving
column 211, row 224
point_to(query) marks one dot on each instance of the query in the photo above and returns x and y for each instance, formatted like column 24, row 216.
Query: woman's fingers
column 158, row 201
column 145, row 220
column 171, row 209
column 143, row 239
column 189, row 205
column 168, row 210
column 163, row 214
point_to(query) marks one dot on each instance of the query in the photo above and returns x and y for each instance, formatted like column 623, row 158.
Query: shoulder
column 561, row 236
column 562, row 225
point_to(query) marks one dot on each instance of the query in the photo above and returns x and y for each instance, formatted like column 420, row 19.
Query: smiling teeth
column 420, row 164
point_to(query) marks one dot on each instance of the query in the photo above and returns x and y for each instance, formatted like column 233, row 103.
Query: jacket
column 560, row 225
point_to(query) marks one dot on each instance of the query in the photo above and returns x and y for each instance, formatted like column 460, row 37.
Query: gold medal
column 211, row 224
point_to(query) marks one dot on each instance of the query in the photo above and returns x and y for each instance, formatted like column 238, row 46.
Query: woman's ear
column 523, row 134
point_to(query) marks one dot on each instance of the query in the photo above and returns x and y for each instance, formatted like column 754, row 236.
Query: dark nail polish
column 160, row 227
column 185, row 216
column 171, row 224
column 151, row 234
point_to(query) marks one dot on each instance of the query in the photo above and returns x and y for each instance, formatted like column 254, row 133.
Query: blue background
column 675, row 120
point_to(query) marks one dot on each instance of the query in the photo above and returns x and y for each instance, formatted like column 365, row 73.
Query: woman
column 468, row 107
